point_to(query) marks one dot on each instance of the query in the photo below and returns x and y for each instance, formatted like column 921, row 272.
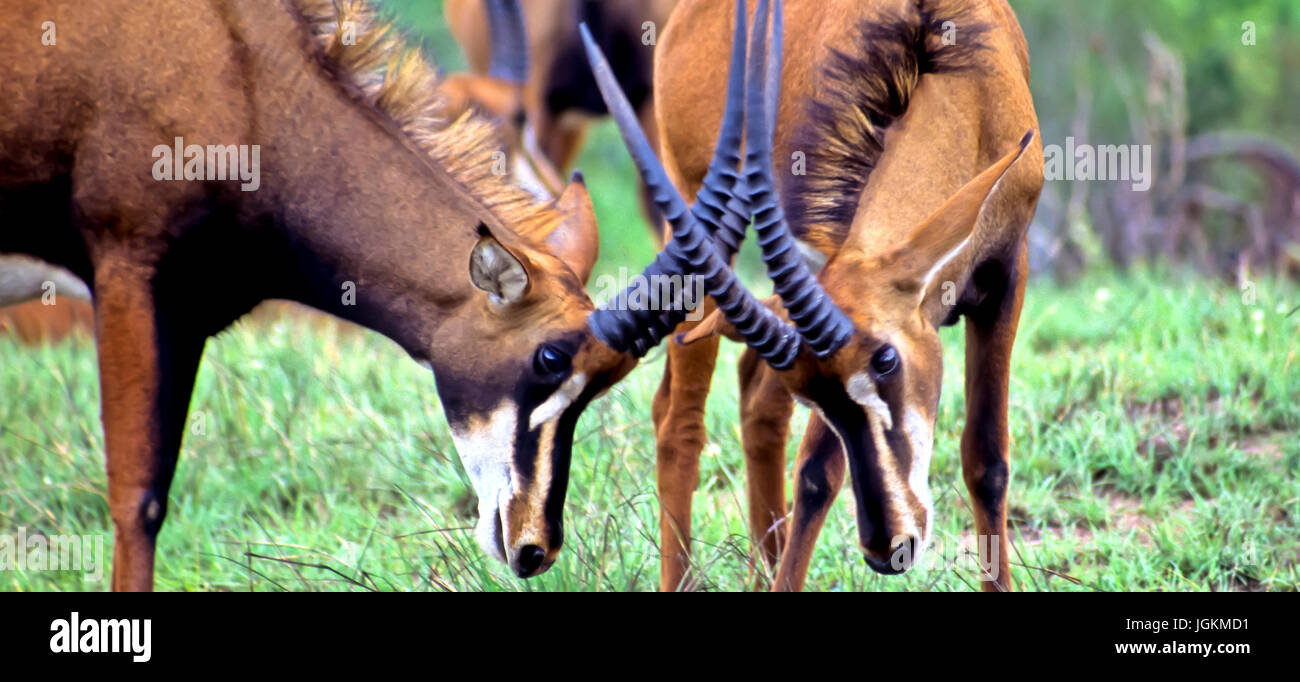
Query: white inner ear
column 496, row 271
column 526, row 177
column 558, row 402
column 938, row 266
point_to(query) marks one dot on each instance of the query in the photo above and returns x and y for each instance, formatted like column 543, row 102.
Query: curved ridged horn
column 822, row 324
column 509, row 41
column 722, row 203
column 690, row 251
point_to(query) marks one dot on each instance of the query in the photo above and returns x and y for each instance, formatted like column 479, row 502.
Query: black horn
column 691, row 249
column 509, row 41
column 822, row 324
column 722, row 203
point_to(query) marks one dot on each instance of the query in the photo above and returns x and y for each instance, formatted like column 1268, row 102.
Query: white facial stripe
column 485, row 446
column 894, row 487
column 920, row 434
column 862, row 389
column 559, row 401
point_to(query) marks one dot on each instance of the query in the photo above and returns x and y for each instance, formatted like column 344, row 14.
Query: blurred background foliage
column 1099, row 45
column 1213, row 87
column 1161, row 72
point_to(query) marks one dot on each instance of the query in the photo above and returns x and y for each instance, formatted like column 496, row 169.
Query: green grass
column 1153, row 421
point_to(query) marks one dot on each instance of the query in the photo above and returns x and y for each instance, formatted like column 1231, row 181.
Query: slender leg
column 680, row 436
column 819, row 473
column 990, row 334
column 147, row 369
column 765, row 411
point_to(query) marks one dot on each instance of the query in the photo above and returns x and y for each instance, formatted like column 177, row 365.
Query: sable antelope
column 498, row 92
column 910, row 196
column 559, row 96
column 497, row 95
column 363, row 187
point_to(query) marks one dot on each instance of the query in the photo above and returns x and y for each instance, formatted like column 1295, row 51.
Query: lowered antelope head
column 512, row 411
column 858, row 346
column 502, row 317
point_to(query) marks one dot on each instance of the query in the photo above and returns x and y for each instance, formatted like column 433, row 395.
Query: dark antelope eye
column 885, row 361
column 550, row 361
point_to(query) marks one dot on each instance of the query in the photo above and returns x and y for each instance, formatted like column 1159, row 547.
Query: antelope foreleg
column 818, row 476
column 146, row 370
column 985, row 450
column 765, row 411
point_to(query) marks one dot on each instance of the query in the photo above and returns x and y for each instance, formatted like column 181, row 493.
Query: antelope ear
column 943, row 235
column 716, row 324
column 495, row 270
column 576, row 240
column 711, row 326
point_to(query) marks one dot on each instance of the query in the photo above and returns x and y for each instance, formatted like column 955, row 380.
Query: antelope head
column 512, row 411
column 857, row 346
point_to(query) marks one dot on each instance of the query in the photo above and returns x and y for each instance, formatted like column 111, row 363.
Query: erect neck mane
column 865, row 90
column 400, row 81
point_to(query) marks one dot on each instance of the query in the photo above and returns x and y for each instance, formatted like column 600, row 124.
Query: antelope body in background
column 23, row 279
column 362, row 184
column 497, row 89
column 559, row 95
column 910, row 115
column 63, row 307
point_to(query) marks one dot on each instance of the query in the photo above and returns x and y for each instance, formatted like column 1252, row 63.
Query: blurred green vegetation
column 1098, row 45
column 1153, row 413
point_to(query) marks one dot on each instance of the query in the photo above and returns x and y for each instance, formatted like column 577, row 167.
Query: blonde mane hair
column 402, row 82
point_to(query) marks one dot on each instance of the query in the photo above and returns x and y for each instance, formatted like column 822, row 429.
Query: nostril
column 530, row 559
